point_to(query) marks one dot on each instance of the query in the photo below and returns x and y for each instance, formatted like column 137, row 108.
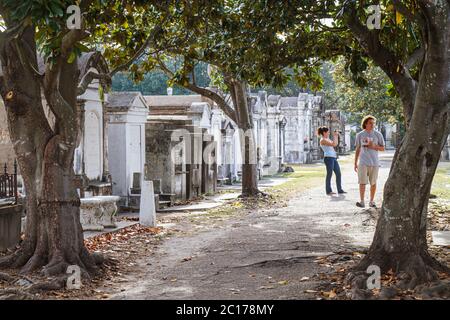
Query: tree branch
column 70, row 39
column 25, row 61
column 84, row 5
column 148, row 43
column 415, row 57
column 405, row 11
column 88, row 78
column 230, row 84
column 369, row 40
column 219, row 100
column 139, row 52
column 2, row 85
column 60, row 107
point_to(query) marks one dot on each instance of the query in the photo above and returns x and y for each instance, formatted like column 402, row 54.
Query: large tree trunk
column 247, row 137
column 59, row 239
column 400, row 237
column 53, row 236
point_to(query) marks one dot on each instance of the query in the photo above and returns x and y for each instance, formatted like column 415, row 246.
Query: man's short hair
column 366, row 119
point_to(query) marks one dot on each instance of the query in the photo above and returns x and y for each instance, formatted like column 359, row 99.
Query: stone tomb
column 10, row 226
column 166, row 160
column 177, row 136
column 303, row 114
column 127, row 112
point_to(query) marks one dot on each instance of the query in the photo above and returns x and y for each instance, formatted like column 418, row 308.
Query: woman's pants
column 332, row 165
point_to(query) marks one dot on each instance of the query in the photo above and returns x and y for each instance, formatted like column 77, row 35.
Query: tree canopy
column 357, row 101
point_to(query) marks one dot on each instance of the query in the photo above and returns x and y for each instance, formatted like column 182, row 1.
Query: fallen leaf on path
column 311, row 291
column 304, row 279
column 329, row 294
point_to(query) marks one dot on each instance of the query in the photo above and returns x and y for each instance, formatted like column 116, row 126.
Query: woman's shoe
column 330, row 193
column 342, row 192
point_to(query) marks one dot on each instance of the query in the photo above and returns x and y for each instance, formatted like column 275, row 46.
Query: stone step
column 166, row 197
column 441, row 238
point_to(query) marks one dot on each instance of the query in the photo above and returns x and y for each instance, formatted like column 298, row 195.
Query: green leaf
column 72, row 57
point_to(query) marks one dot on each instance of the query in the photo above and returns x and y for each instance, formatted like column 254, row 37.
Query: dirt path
column 263, row 255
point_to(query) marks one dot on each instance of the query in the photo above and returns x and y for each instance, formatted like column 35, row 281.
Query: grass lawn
column 304, row 177
column 441, row 181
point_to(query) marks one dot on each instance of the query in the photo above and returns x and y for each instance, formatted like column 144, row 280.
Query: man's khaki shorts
column 366, row 174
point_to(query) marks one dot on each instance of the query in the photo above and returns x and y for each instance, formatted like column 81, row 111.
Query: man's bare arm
column 357, row 152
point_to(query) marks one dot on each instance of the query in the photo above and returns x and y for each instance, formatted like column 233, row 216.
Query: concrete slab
column 202, row 206
column 120, row 225
column 262, row 184
column 147, row 211
column 441, row 238
column 226, row 196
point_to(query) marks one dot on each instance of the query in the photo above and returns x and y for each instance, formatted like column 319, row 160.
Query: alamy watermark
column 374, row 19
column 74, row 280
column 74, row 20
column 374, row 280
column 197, row 147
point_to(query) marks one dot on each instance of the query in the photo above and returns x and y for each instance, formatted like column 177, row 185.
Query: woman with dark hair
column 330, row 159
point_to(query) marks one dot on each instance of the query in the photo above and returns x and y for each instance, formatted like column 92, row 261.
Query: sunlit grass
column 441, row 181
column 303, row 177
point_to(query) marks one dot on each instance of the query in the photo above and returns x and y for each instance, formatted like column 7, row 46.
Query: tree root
column 15, row 294
column 28, row 263
column 35, row 262
column 412, row 270
column 55, row 267
column 55, row 284
column 15, row 260
column 6, row 277
column 99, row 259
column 255, row 194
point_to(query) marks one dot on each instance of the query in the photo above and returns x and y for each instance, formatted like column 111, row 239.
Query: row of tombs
column 185, row 144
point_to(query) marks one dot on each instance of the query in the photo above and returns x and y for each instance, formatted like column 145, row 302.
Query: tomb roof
column 125, row 100
column 286, row 102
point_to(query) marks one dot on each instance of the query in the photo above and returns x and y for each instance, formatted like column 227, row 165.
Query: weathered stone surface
column 441, row 238
column 441, row 289
column 97, row 213
column 147, row 213
column 388, row 293
column 127, row 115
column 359, row 294
column 10, row 226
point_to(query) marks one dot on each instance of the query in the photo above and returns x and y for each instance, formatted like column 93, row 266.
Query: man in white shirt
column 368, row 143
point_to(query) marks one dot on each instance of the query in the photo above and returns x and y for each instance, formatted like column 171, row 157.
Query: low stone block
column 97, row 213
column 10, row 226
column 147, row 212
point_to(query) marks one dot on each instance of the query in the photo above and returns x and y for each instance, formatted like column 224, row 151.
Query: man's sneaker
column 360, row 204
column 372, row 204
